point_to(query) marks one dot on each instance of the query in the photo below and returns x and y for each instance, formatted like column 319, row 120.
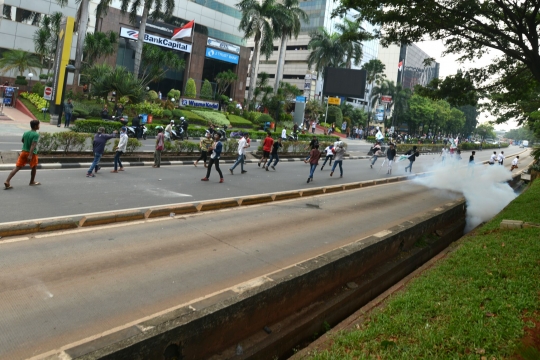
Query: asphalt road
column 57, row 289
column 69, row 192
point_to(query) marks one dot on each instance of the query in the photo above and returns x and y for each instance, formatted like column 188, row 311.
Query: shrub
column 191, row 88
column 132, row 145
column 167, row 114
column 90, row 110
column 173, row 93
column 47, row 143
column 38, row 88
column 230, row 146
column 194, row 118
column 335, row 115
column 206, row 90
column 152, row 95
column 21, row 80
column 239, row 122
column 177, row 114
column 261, row 120
column 71, row 141
column 92, row 126
column 148, row 108
column 35, row 99
column 214, row 117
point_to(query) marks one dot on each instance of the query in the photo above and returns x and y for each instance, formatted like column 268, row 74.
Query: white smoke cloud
column 484, row 187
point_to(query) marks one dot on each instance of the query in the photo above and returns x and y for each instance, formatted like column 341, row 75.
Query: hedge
column 239, row 121
column 302, row 146
column 75, row 142
column 402, row 148
column 214, row 117
column 92, row 126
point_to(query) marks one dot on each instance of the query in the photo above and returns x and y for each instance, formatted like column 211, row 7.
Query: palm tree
column 105, row 79
column 326, row 50
column 256, row 22
column 287, row 23
column 154, row 9
column 353, row 48
column 46, row 38
column 41, row 45
column 375, row 74
column 18, row 60
column 82, row 26
column 99, row 44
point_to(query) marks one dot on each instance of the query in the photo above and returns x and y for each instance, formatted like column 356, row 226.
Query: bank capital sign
column 199, row 103
column 155, row 40
column 222, row 55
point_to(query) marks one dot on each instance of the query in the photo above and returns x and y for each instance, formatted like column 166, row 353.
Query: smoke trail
column 485, row 188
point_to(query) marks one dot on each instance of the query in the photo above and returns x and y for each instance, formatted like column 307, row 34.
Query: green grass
column 238, row 121
column 37, row 113
column 471, row 305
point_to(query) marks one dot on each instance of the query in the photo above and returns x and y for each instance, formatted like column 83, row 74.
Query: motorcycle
column 177, row 133
column 222, row 132
column 122, row 119
column 132, row 131
column 292, row 136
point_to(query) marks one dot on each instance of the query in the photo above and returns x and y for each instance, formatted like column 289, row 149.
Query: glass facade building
column 414, row 71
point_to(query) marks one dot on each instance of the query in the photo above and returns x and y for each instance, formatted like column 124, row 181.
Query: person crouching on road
column 329, row 155
column 242, row 145
column 390, row 156
column 204, row 145
column 376, row 153
column 28, row 155
column 120, row 150
column 514, row 163
column 267, row 147
column 160, row 144
column 339, row 151
column 274, row 155
column 100, row 141
column 314, row 156
column 215, row 149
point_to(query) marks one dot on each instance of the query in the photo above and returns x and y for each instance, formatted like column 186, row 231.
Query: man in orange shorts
column 28, row 155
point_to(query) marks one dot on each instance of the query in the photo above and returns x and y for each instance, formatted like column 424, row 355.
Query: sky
column 450, row 66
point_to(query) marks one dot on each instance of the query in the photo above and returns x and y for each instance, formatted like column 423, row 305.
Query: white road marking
column 165, row 193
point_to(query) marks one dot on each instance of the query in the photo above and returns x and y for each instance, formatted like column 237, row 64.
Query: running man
column 216, row 149
column 514, row 163
column 100, row 141
column 493, row 158
column 267, row 147
column 390, row 155
column 311, row 146
column 242, row 145
column 314, row 156
column 329, row 155
column 339, row 151
column 376, row 153
column 28, row 155
column 412, row 157
column 120, row 150
column 500, row 158
column 274, row 155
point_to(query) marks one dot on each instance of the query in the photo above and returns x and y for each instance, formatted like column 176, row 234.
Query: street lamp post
column 31, row 75
column 69, row 68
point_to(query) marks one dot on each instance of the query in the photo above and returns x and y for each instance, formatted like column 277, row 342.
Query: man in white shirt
column 500, row 158
column 329, row 155
column 493, row 158
column 284, row 134
column 168, row 130
column 242, row 145
column 514, row 163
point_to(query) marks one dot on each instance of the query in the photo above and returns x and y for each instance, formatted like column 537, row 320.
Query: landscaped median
column 480, row 301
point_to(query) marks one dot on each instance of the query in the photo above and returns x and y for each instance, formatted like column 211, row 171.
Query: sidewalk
column 15, row 122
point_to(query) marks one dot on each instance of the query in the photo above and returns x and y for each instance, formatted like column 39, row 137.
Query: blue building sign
column 300, row 99
column 222, row 55
column 199, row 103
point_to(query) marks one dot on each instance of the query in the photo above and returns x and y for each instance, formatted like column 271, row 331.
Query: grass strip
column 477, row 303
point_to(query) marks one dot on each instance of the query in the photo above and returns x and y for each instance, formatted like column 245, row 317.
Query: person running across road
column 500, row 158
column 284, row 134
column 412, row 157
column 329, row 155
column 160, row 144
column 514, row 163
column 313, row 126
column 376, row 153
column 98, row 146
column 204, row 145
column 267, row 147
column 242, row 145
column 314, row 156
column 28, row 155
column 311, row 146
column 216, row 149
column 444, row 152
column 390, row 156
column 274, row 155
column 471, row 159
column 120, row 150
column 339, row 151
column 493, row 158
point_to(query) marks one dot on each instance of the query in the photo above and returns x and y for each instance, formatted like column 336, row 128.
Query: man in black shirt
column 274, row 155
column 390, row 155
column 136, row 123
column 312, row 144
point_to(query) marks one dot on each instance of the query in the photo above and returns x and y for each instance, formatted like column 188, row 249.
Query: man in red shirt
column 267, row 147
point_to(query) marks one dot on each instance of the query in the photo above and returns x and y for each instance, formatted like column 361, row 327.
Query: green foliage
column 521, row 133
column 335, row 116
column 19, row 61
column 152, row 95
column 167, row 114
column 230, row 146
column 132, row 145
column 224, row 80
column 457, row 90
column 213, row 117
column 156, row 62
column 191, row 88
column 148, row 108
column 485, row 131
column 35, row 99
column 38, row 88
column 173, row 93
column 193, row 118
column 206, row 91
column 177, row 114
column 252, row 116
column 92, row 126
column 97, row 45
column 239, row 122
column 264, row 118
column 105, row 80
column 71, row 141
column 47, row 143
column 327, row 50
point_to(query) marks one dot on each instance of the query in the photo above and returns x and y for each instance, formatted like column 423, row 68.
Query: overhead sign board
column 223, row 45
column 155, row 40
column 386, row 99
column 222, row 55
column 334, row 101
column 47, row 93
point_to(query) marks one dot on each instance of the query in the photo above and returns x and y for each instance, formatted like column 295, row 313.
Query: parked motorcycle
column 132, row 131
column 292, row 136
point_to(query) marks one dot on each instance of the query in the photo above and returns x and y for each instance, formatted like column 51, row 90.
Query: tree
column 105, row 79
column 327, row 50
column 41, row 45
column 287, row 23
column 457, row 89
column 191, row 88
column 351, row 39
column 153, row 9
column 206, row 90
column 156, row 62
column 82, row 26
column 256, row 22
column 471, row 29
column 19, row 60
column 46, row 38
column 485, row 130
column 334, row 116
column 420, row 112
column 97, row 45
column 262, row 87
column 225, row 79
column 521, row 133
column 313, row 109
column 375, row 74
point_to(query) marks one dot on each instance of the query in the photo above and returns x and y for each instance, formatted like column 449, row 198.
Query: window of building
column 295, row 77
column 220, row 7
column 21, row 15
column 295, row 62
column 268, row 62
column 297, row 47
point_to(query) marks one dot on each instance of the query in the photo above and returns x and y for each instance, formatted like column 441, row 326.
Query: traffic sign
column 386, row 99
column 47, row 93
column 334, row 100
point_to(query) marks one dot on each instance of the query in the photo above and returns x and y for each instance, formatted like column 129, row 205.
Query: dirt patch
column 529, row 349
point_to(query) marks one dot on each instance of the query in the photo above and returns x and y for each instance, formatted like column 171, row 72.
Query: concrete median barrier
column 311, row 192
column 167, row 210
column 19, row 228
column 381, row 181
column 286, row 195
column 333, row 189
column 352, row 186
column 112, row 217
column 392, row 180
column 58, row 224
column 364, row 184
column 217, row 204
column 253, row 200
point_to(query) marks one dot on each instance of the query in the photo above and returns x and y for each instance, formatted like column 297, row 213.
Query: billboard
column 155, row 40
column 386, row 99
column 344, row 82
column 379, row 113
column 222, row 55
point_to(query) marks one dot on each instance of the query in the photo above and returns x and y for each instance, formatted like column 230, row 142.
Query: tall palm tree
column 375, row 74
column 41, row 45
column 326, row 50
column 82, row 26
column 153, row 9
column 287, row 24
column 19, row 60
column 46, row 38
column 99, row 44
column 256, row 22
column 353, row 48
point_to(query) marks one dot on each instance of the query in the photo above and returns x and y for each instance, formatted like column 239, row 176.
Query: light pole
column 31, row 75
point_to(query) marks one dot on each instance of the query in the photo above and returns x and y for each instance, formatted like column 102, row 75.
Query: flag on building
column 400, row 65
column 184, row 31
